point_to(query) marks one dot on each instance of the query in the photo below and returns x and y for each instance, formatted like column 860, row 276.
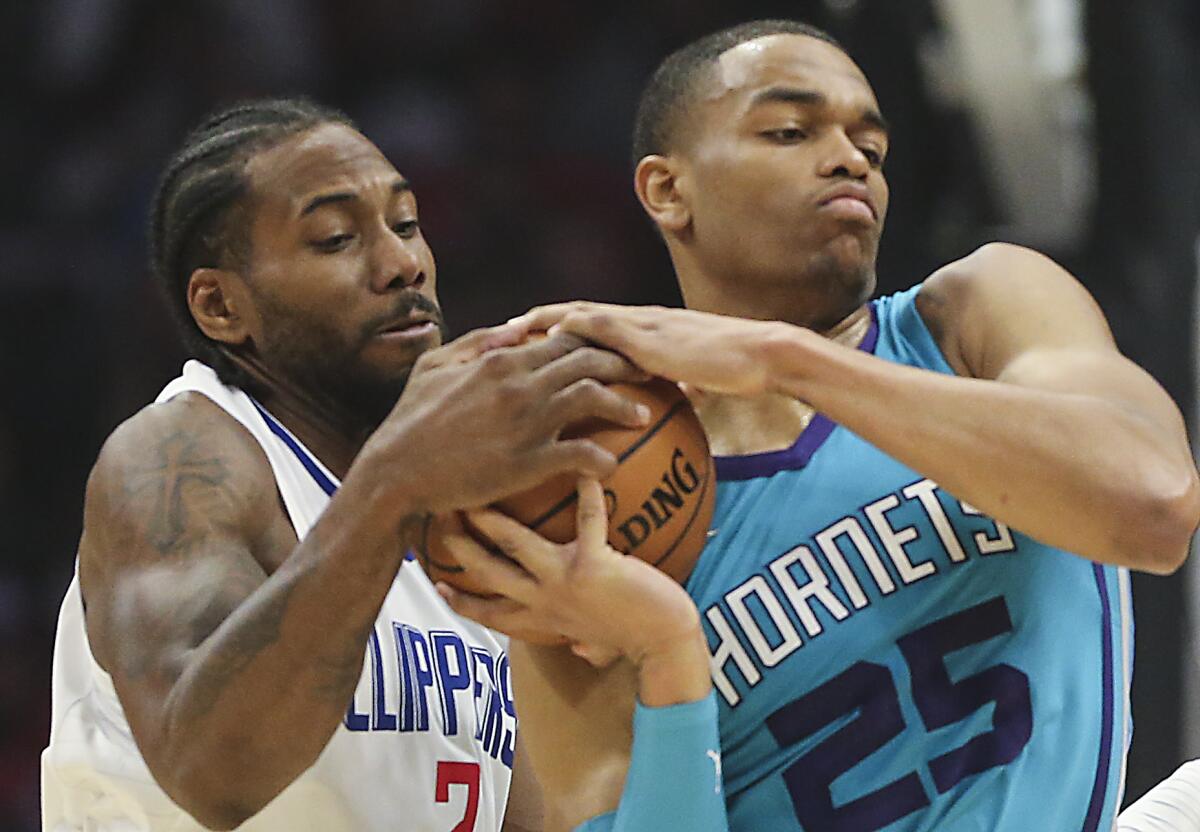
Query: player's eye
column 335, row 243
column 873, row 156
column 786, row 135
column 405, row 229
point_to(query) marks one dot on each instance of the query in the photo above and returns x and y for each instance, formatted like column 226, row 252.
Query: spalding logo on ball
column 660, row 497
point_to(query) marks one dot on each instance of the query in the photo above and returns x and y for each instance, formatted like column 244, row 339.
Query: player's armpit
column 232, row 681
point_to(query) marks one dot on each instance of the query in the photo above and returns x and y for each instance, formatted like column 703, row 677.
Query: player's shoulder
column 994, row 270
column 186, row 437
column 992, row 289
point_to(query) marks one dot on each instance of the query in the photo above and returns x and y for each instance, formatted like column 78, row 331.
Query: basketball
column 660, row 497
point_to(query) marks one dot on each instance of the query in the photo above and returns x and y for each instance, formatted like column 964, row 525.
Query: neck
column 325, row 429
column 821, row 302
column 739, row 425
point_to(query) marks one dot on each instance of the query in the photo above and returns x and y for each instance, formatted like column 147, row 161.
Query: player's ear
column 221, row 305
column 660, row 188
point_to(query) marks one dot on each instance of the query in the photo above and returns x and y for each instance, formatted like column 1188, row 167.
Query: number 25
column 870, row 690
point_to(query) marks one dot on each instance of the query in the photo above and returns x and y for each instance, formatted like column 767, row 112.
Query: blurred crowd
column 510, row 117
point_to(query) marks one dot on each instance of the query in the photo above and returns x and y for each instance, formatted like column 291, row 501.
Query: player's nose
column 397, row 263
column 842, row 157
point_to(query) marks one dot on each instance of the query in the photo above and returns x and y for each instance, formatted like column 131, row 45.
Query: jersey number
column 459, row 774
column 869, row 691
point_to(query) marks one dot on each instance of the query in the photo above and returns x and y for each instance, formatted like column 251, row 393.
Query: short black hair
column 197, row 215
column 670, row 89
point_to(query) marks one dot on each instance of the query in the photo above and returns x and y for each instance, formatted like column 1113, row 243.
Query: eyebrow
column 399, row 186
column 812, row 98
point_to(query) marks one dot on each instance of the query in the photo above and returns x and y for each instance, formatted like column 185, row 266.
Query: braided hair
column 198, row 215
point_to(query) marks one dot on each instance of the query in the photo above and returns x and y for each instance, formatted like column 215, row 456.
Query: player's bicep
column 1103, row 374
column 172, row 516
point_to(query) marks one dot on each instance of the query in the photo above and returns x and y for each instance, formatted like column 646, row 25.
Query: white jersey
column 427, row 743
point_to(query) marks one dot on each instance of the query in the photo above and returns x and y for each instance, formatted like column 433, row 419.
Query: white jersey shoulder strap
column 304, row 483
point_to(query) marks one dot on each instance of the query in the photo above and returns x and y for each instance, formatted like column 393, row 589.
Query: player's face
column 787, row 165
column 342, row 279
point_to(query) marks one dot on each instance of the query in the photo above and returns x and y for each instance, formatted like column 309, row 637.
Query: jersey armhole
column 911, row 337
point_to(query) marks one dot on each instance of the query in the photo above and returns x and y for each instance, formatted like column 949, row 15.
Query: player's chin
column 854, row 246
column 385, row 372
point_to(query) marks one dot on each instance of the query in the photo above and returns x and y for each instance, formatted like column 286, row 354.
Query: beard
column 326, row 363
column 842, row 275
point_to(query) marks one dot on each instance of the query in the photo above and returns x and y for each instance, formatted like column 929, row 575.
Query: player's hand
column 481, row 418
column 605, row 603
column 711, row 353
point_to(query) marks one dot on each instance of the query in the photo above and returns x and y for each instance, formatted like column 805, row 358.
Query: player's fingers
column 498, row 574
column 502, row 614
column 536, row 555
column 590, row 362
column 474, row 344
column 614, row 327
column 588, row 399
column 539, row 352
column 541, row 318
column 490, row 612
column 578, row 456
column 591, row 517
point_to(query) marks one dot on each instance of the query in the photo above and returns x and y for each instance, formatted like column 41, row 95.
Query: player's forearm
column 1074, row 471
column 260, row 698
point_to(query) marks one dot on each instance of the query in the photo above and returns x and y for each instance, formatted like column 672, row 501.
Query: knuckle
column 495, row 364
column 602, row 321
column 599, row 360
column 430, row 358
column 567, row 342
column 588, row 389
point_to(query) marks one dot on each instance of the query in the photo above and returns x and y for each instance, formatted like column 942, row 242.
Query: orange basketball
column 660, row 497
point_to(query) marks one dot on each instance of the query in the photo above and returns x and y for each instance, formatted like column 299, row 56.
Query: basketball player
column 243, row 644
column 916, row 597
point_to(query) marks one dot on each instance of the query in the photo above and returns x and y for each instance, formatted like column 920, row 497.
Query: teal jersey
column 887, row 657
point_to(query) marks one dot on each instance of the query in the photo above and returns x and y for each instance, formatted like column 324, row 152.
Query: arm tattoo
column 256, row 628
column 338, row 674
column 178, row 463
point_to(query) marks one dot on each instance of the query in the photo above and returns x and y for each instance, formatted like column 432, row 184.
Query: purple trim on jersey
column 1100, row 787
column 307, row 461
column 749, row 466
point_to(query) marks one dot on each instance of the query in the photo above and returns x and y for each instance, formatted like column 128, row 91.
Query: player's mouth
column 849, row 201
column 413, row 327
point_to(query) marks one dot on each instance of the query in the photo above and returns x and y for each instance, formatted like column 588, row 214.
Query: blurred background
column 1069, row 125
